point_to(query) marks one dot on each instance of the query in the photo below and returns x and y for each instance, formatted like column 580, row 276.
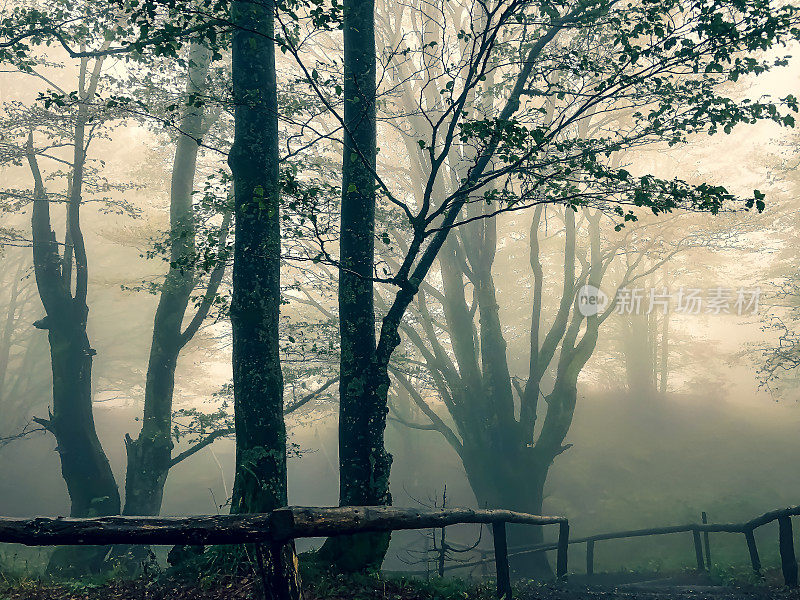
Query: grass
column 229, row 573
column 374, row 586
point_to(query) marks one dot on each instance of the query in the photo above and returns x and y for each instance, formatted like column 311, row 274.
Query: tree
column 778, row 357
column 462, row 346
column 584, row 58
column 364, row 463
column 652, row 72
column 256, row 296
column 258, row 382
column 260, row 484
column 90, row 482
column 644, row 353
column 150, row 455
column 23, row 383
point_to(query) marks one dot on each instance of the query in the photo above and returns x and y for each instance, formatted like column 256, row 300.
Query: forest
column 417, row 300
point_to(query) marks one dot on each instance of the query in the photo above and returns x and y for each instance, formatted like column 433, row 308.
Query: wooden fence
column 277, row 527
column 294, row 522
column 785, row 542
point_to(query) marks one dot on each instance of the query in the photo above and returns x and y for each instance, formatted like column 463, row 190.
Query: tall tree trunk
column 663, row 366
column 260, row 480
column 150, row 454
column 640, row 364
column 90, row 481
column 260, row 484
column 364, row 464
column 84, row 464
column 506, row 462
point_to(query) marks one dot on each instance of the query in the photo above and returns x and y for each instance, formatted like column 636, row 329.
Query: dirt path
column 647, row 591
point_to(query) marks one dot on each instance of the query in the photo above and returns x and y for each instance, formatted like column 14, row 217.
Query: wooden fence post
column 786, row 544
column 755, row 561
column 706, row 543
column 442, row 553
column 501, row 560
column 590, row 558
column 698, row 550
column 563, row 546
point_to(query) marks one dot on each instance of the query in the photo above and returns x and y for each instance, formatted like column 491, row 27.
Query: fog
column 675, row 414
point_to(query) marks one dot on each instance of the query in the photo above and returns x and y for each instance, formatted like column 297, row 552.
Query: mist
column 585, row 305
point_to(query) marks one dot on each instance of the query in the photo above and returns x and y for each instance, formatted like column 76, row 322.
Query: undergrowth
column 231, row 572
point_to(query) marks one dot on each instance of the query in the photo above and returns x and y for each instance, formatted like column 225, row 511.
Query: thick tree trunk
column 87, row 473
column 84, row 465
column 85, row 468
column 150, row 454
column 364, row 464
column 514, row 482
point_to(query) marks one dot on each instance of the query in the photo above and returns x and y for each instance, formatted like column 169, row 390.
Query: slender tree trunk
column 640, row 367
column 149, row 456
column 663, row 366
column 364, row 464
column 7, row 332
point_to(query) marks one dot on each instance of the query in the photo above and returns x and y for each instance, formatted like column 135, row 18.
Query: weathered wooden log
column 282, row 524
column 501, row 560
column 772, row 515
column 563, row 549
column 299, row 522
column 713, row 527
column 615, row 535
column 755, row 561
column 590, row 558
column 786, row 544
column 199, row 530
column 698, row 550
column 716, row 527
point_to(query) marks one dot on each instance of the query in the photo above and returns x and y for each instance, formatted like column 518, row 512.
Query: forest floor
column 374, row 588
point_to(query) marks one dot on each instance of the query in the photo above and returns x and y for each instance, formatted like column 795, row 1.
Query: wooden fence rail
column 277, row 527
column 789, row 566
